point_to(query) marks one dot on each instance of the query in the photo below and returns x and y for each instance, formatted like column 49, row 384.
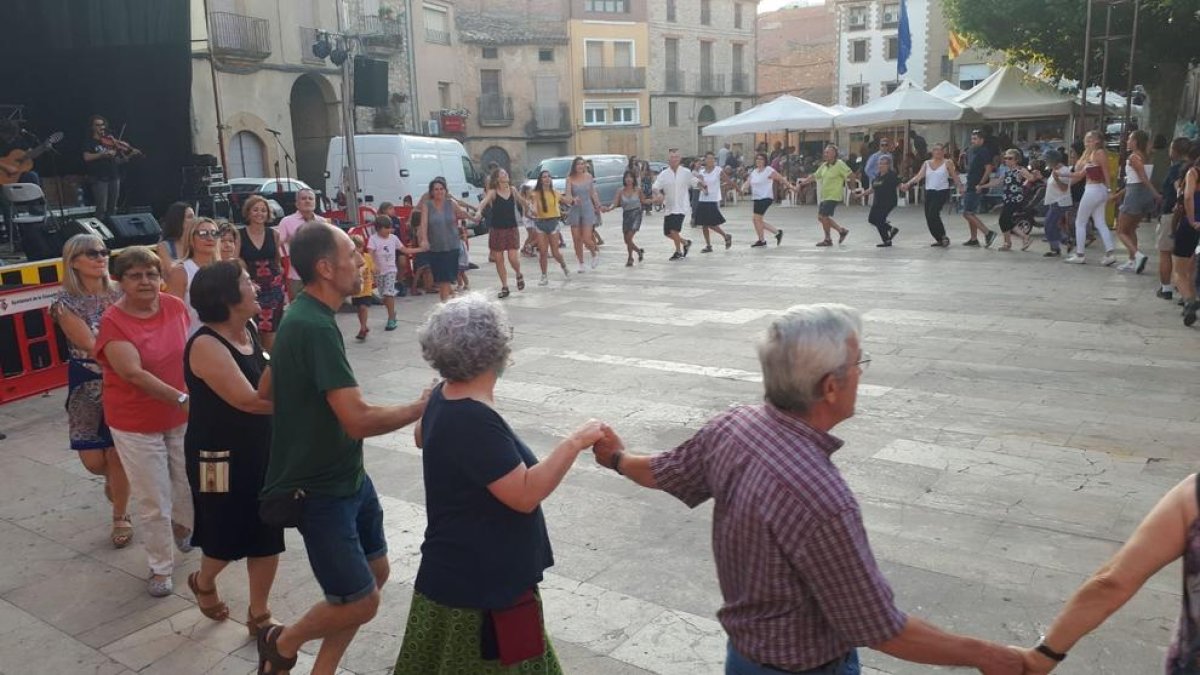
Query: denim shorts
column 736, row 664
column 970, row 201
column 342, row 536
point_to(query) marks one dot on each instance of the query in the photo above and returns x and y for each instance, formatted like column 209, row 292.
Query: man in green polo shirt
column 831, row 179
column 319, row 423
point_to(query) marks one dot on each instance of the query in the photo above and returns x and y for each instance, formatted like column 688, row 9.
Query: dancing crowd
column 212, row 391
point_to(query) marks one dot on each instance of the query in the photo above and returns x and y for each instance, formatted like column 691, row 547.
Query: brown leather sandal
column 268, row 652
column 217, row 612
column 122, row 531
column 257, row 623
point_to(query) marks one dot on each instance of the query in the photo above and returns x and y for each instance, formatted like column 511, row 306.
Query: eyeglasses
column 863, row 362
column 95, row 254
column 206, row 234
column 153, row 277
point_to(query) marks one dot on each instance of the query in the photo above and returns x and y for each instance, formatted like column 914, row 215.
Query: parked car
column 607, row 169
column 280, row 195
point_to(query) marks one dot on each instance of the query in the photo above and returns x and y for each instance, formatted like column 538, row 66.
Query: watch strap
column 615, row 464
column 1049, row 653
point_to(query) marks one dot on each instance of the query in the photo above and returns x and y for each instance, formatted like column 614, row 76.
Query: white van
column 394, row 166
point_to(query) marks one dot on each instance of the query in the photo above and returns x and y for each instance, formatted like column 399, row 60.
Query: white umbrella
column 908, row 103
column 947, row 90
column 781, row 114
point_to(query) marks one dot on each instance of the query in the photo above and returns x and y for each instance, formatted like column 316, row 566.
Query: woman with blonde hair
column 199, row 247
column 87, row 292
column 1092, row 167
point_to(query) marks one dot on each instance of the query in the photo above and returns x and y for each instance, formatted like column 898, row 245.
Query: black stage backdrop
column 128, row 60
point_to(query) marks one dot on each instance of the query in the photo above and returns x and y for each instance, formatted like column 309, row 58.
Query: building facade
column 868, row 47
column 701, row 69
column 259, row 97
column 796, row 53
column 609, row 54
column 384, row 35
column 517, row 69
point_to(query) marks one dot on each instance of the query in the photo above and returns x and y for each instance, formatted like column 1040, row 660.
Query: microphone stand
column 287, row 159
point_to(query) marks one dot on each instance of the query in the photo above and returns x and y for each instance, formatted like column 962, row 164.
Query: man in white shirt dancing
column 671, row 190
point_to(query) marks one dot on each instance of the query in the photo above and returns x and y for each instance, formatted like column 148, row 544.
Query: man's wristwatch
column 1057, row 657
column 182, row 400
column 615, row 463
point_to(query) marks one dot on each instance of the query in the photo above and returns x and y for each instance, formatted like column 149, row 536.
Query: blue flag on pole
column 903, row 41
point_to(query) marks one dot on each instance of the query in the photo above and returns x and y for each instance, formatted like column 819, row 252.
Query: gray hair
column 466, row 337
column 803, row 346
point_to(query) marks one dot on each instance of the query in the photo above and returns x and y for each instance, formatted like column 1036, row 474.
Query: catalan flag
column 958, row 45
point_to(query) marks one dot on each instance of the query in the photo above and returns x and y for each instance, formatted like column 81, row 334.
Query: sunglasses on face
column 206, row 234
column 95, row 254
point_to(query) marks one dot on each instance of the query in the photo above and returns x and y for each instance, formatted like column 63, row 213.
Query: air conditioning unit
column 890, row 17
column 432, row 128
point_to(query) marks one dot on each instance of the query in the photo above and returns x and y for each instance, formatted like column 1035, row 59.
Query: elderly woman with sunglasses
column 87, row 293
column 140, row 349
column 200, row 246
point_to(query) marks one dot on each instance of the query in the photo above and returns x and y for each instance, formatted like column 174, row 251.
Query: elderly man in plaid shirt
column 801, row 587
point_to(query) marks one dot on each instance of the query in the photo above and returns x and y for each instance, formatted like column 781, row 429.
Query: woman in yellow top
column 365, row 298
column 548, row 220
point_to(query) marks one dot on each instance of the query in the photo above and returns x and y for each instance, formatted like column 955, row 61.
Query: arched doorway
column 499, row 156
column 706, row 117
column 247, row 156
column 314, row 118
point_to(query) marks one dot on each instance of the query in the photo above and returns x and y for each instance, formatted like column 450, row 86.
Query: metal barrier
column 33, row 351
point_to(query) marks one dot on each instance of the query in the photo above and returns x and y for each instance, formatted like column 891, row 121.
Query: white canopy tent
column 947, row 90
column 786, row 113
column 1011, row 93
column 909, row 103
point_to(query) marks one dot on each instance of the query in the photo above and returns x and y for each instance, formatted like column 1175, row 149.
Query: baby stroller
column 1026, row 218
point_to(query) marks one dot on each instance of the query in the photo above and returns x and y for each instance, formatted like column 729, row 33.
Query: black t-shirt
column 977, row 159
column 478, row 553
column 884, row 187
column 100, row 169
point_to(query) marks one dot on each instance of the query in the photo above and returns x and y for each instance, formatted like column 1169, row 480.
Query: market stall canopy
column 947, row 90
column 786, row 113
column 1011, row 93
column 909, row 103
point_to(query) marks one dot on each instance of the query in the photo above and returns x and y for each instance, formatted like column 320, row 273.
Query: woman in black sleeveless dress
column 228, row 440
column 260, row 252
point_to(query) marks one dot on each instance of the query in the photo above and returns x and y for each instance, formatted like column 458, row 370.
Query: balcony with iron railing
column 495, row 110
column 437, row 37
column 674, row 81
column 381, row 33
column 597, row 78
column 239, row 36
column 549, row 119
column 740, row 83
column 712, row 83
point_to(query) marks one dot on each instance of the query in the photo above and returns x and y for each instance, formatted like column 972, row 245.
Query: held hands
column 588, row 434
column 607, row 447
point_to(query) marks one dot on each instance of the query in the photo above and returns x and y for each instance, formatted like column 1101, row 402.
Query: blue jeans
column 342, row 535
column 1054, row 214
column 736, row 664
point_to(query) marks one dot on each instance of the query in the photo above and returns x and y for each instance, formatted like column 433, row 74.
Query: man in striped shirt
column 802, row 590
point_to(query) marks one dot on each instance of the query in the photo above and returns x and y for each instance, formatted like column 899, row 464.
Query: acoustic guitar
column 18, row 162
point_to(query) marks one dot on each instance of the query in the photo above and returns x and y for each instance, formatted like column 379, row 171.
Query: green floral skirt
column 440, row 640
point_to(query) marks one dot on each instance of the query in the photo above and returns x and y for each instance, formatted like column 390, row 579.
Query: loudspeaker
column 133, row 229
column 93, row 226
column 42, row 240
column 370, row 82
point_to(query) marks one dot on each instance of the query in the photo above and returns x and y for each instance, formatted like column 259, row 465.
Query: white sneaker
column 543, row 281
column 1139, row 262
column 1108, row 260
column 582, row 269
column 1126, row 266
column 595, row 259
column 1074, row 259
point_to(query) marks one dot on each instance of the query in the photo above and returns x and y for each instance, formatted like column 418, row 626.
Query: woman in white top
column 197, row 248
column 1140, row 199
column 708, row 206
column 941, row 177
column 761, row 184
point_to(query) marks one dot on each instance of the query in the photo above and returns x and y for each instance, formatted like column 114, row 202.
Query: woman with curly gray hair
column 475, row 606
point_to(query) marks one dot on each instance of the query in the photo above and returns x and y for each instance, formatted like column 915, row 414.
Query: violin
column 122, row 151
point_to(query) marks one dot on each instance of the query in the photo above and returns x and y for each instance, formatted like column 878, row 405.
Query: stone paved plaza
column 1019, row 418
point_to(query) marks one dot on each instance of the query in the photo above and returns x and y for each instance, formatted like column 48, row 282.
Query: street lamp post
column 348, row 121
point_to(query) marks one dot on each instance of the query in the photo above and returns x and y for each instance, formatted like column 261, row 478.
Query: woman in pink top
column 140, row 350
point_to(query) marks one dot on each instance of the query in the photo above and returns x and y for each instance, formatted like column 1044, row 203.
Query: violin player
column 103, row 154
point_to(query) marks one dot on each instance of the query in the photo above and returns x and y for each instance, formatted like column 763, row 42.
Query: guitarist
column 11, row 139
column 102, row 166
